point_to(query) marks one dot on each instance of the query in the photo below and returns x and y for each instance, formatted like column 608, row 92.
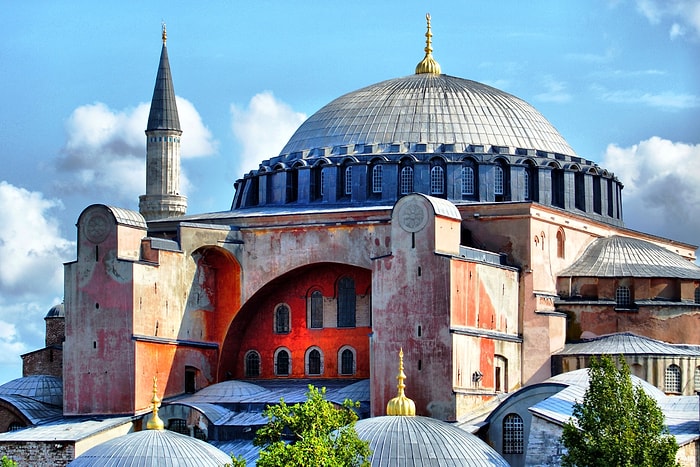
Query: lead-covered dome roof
column 428, row 108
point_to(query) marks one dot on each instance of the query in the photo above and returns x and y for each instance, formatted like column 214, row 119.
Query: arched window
column 623, row 297
column 526, row 185
column 377, row 175
column 283, row 363
column 561, row 244
column 282, row 319
column 322, row 183
column 697, row 294
column 15, row 426
column 178, row 425
column 346, row 363
column 467, row 180
column 316, row 309
column 696, row 379
column 347, row 182
column 437, row 180
column 252, row 364
column 498, row 180
column 314, row 362
column 406, row 180
column 500, row 373
column 346, row 303
column 580, row 191
column 513, row 434
column 672, row 379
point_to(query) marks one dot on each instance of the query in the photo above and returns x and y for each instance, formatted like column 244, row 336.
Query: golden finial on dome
column 428, row 64
column 164, row 35
column 155, row 423
column 401, row 405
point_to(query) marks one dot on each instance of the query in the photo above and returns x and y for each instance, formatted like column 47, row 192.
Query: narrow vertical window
column 282, row 319
column 314, row 360
column 513, row 434
column 696, row 379
column 561, row 243
column 498, row 180
column 347, row 183
column 623, row 297
column 346, row 303
column 467, row 181
column 437, row 180
column 377, row 175
column 697, row 295
column 282, row 361
column 526, row 183
column 406, row 180
column 347, row 362
column 252, row 364
column 316, row 309
column 323, row 183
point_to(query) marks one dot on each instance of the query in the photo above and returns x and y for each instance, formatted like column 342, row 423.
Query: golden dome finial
column 164, row 34
column 155, row 423
column 401, row 405
column 428, row 64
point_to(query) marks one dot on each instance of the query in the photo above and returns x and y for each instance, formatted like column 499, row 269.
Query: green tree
column 7, row 462
column 314, row 433
column 617, row 424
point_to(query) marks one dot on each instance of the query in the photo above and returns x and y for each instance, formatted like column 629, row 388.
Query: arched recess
column 253, row 326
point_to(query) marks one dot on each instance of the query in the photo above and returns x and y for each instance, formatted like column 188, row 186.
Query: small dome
column 42, row 388
column 228, row 391
column 423, row 441
column 56, row 311
column 161, row 448
column 428, row 108
column 618, row 256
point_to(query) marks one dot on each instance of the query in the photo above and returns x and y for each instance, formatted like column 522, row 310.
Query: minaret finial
column 164, row 34
column 155, row 423
column 401, row 405
column 428, row 64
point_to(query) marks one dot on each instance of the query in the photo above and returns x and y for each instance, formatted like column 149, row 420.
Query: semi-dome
column 42, row 388
column 428, row 108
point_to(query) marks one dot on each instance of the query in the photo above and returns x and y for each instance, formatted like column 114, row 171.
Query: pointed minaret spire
column 428, row 64
column 401, row 405
column 162, row 198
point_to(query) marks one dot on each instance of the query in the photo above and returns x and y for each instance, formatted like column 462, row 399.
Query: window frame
column 513, row 434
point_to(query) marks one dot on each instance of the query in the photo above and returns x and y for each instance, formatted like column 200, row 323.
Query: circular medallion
column 413, row 217
column 96, row 227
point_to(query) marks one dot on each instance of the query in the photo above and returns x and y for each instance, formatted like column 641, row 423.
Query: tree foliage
column 7, row 462
column 314, row 433
column 617, row 424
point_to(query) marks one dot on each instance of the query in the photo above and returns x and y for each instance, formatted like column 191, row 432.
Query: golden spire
column 401, row 405
column 155, row 423
column 164, row 35
column 428, row 64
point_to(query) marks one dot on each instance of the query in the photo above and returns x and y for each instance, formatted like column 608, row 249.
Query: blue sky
column 620, row 79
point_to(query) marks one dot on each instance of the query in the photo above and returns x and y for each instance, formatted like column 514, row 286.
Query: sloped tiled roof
column 618, row 256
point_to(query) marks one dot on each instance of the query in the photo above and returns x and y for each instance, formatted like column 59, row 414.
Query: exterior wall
column 55, row 331
column 544, row 447
column 39, row 453
column 9, row 415
column 47, row 361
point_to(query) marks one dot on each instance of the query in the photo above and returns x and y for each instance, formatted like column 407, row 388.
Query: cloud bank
column 684, row 15
column 662, row 186
column 263, row 128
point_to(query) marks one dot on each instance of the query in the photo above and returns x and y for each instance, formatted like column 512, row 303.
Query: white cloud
column 104, row 154
column 662, row 186
column 681, row 13
column 263, row 128
column 666, row 100
column 555, row 91
column 33, row 251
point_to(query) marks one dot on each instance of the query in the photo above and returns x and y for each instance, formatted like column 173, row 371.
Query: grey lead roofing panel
column 36, row 412
column 618, row 256
column 423, row 441
column 627, row 343
column 163, row 114
column 428, row 108
column 42, row 388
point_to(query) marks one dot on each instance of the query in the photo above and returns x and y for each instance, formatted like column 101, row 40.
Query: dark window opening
column 282, row 363
column 316, row 309
column 347, row 362
column 314, row 362
column 282, row 319
column 346, row 303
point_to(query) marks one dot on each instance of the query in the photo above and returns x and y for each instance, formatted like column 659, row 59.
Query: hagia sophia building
column 428, row 213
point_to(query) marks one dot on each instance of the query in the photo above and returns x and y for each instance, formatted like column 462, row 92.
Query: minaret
column 162, row 198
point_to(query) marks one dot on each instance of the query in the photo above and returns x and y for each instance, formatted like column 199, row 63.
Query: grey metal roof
column 423, row 441
column 428, row 108
column 163, row 115
column 42, row 388
column 56, row 311
column 128, row 217
column 240, row 447
column 161, row 448
column 618, row 256
column 680, row 412
column 66, row 429
column 627, row 343
column 36, row 412
column 229, row 391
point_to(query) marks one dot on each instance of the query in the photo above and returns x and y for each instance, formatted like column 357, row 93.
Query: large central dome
column 428, row 108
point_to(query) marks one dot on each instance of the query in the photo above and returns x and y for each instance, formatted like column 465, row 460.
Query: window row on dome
column 313, row 362
column 378, row 180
